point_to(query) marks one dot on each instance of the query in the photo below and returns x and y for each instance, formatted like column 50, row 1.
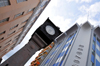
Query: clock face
column 50, row 30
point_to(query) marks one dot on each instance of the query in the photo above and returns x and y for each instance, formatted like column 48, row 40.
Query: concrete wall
column 79, row 53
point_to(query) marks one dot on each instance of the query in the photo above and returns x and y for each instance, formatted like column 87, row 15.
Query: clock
column 50, row 30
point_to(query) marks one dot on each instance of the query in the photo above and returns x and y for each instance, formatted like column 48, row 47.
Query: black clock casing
column 41, row 31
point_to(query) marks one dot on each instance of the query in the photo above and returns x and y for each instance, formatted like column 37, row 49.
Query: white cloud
column 72, row 0
column 81, row 19
column 54, row 3
column 63, row 23
column 80, row 1
column 93, row 9
column 83, row 9
column 86, row 1
column 94, row 22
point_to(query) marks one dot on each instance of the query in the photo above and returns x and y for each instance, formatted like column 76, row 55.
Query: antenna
column 88, row 16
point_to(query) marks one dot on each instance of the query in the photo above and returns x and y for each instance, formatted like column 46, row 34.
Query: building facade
column 78, row 46
column 16, row 18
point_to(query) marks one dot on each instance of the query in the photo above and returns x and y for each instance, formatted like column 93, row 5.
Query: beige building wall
column 16, row 16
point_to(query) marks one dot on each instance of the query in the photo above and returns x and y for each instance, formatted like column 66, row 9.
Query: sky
column 64, row 14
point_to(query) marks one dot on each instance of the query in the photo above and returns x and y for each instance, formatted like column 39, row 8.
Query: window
column 17, row 36
column 15, row 40
column 2, row 32
column 79, row 53
column 24, row 21
column 11, row 33
column 14, row 27
column 19, row 14
column 94, row 42
column 21, row 27
column 31, row 9
column 6, row 19
column 18, row 1
column 80, row 49
column 74, row 65
column 91, row 64
column 4, row 3
column 2, row 38
column 94, row 38
column 77, row 57
column 8, row 42
column 81, row 46
column 77, row 61
column 93, row 52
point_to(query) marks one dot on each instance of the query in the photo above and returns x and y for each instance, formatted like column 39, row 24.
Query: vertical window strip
column 93, row 50
column 97, row 52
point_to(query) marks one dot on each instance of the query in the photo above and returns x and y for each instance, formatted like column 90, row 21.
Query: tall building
column 78, row 46
column 16, row 18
